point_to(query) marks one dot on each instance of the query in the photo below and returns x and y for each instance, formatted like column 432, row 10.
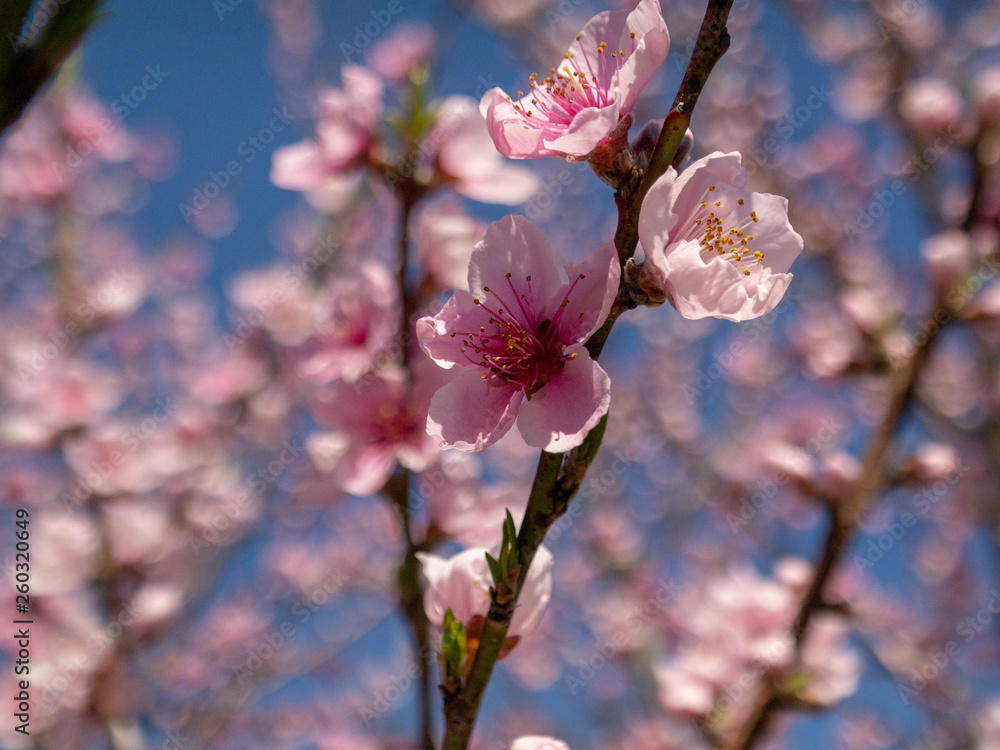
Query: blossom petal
column 589, row 127
column 536, row 593
column 591, row 290
column 715, row 287
column 459, row 316
column 512, row 135
column 512, row 250
column 650, row 30
column 775, row 237
column 470, row 413
column 364, row 470
column 299, row 166
column 507, row 185
column 460, row 583
column 561, row 414
column 537, row 742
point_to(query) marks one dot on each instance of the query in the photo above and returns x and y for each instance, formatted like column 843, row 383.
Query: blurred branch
column 29, row 59
column 411, row 594
column 559, row 475
column 845, row 516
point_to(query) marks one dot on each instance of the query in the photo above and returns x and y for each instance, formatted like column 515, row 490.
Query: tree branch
column 846, row 515
column 28, row 60
column 559, row 475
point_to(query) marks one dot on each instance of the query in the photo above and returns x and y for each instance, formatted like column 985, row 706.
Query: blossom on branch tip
column 462, row 584
column 713, row 248
column 587, row 99
column 520, row 332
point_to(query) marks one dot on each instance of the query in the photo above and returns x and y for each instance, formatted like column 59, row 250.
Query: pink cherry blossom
column 348, row 120
column 520, row 331
column 538, row 743
column 589, row 96
column 377, row 424
column 462, row 583
column 444, row 236
column 466, row 160
column 932, row 106
column 712, row 248
column 406, row 49
column 357, row 317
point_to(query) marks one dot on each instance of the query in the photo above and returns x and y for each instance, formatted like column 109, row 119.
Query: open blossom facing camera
column 462, row 584
column 588, row 98
column 712, row 248
column 520, row 332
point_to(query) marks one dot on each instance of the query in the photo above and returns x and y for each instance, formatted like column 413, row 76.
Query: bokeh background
column 221, row 590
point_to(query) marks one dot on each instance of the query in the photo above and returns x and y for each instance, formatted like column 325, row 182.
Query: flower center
column 578, row 83
column 732, row 241
column 521, row 349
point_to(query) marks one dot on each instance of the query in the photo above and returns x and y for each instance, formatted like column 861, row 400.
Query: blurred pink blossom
column 407, row 48
column 357, row 319
column 348, row 120
column 538, row 743
column 466, row 160
column 376, row 425
column 444, row 236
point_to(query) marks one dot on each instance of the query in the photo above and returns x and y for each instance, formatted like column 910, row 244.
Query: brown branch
column 559, row 475
column 411, row 595
column 711, row 45
column 27, row 63
column 846, row 515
